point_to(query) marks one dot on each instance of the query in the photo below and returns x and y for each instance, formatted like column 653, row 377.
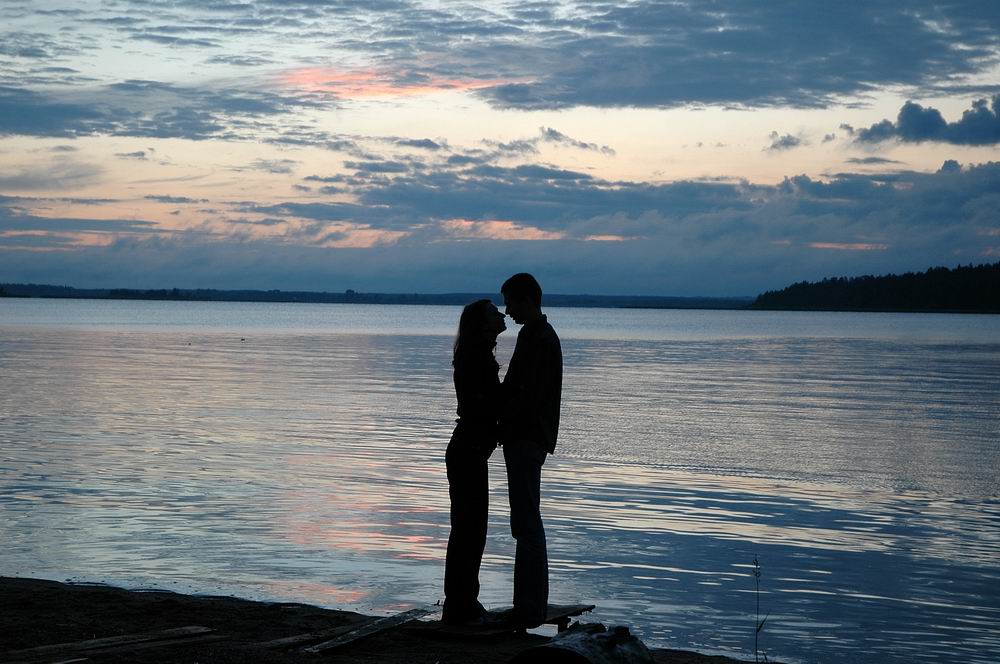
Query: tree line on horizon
column 971, row 288
column 968, row 288
column 351, row 296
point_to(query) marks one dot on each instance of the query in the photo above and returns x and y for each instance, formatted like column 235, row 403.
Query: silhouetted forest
column 964, row 288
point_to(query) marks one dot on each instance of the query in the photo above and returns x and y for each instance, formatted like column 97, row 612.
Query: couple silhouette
column 520, row 414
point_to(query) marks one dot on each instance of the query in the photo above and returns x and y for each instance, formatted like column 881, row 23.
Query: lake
column 295, row 452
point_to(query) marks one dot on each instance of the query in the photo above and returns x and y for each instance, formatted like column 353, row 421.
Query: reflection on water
column 307, row 465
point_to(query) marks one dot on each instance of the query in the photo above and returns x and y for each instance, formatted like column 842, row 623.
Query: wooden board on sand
column 557, row 614
column 168, row 637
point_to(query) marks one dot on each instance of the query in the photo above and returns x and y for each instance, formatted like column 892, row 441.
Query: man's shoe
column 473, row 615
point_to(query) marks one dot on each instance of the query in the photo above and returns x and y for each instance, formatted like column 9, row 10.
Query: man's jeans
column 524, row 461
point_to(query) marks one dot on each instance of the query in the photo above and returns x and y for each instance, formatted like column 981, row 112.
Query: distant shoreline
column 962, row 289
column 715, row 304
column 845, row 310
column 771, row 301
column 354, row 297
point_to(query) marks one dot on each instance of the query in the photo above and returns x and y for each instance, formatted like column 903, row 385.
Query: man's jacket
column 532, row 388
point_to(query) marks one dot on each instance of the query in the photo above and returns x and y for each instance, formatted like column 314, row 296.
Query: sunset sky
column 671, row 148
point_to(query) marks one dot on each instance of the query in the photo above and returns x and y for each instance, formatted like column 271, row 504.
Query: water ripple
column 308, row 466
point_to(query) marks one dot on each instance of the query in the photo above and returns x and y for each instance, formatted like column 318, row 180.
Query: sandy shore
column 39, row 613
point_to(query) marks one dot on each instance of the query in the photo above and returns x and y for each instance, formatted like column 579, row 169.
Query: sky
column 702, row 148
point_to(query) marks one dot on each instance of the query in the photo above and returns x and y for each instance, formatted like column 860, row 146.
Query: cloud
column 76, row 200
column 240, row 60
column 56, row 175
column 734, row 53
column 174, row 199
column 436, row 231
column 138, row 154
column 872, row 160
column 518, row 148
column 25, row 45
column 30, row 113
column 979, row 125
column 378, row 166
column 326, row 213
column 277, row 166
column 298, row 135
column 494, row 229
column 531, row 194
column 551, row 135
column 422, row 143
column 148, row 109
column 172, row 40
column 849, row 246
column 267, row 221
column 22, row 232
column 392, row 82
column 738, row 52
column 529, row 172
column 779, row 142
column 641, row 53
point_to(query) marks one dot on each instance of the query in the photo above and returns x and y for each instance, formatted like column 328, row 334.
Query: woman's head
column 480, row 324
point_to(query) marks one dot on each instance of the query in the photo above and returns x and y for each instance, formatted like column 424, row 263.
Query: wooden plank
column 196, row 640
column 111, row 641
column 557, row 612
column 170, row 643
column 308, row 637
column 560, row 614
column 369, row 629
column 74, row 660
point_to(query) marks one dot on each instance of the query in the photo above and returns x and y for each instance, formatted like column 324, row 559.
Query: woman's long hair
column 470, row 328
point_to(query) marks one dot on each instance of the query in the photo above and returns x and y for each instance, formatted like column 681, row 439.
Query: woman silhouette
column 477, row 386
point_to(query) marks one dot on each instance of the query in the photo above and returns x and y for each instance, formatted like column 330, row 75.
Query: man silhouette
column 528, row 426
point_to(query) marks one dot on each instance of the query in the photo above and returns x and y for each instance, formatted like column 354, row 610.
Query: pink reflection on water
column 323, row 594
column 364, row 537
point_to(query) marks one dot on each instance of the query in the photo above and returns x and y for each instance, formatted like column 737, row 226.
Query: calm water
column 296, row 452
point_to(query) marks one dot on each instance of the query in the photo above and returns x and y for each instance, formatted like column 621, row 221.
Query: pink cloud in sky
column 371, row 83
column 606, row 238
column 363, row 238
column 72, row 240
column 849, row 246
column 495, row 229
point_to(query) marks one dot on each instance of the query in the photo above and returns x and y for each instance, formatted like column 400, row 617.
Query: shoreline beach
column 42, row 612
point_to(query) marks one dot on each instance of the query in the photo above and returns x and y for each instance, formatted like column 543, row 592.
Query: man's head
column 522, row 297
